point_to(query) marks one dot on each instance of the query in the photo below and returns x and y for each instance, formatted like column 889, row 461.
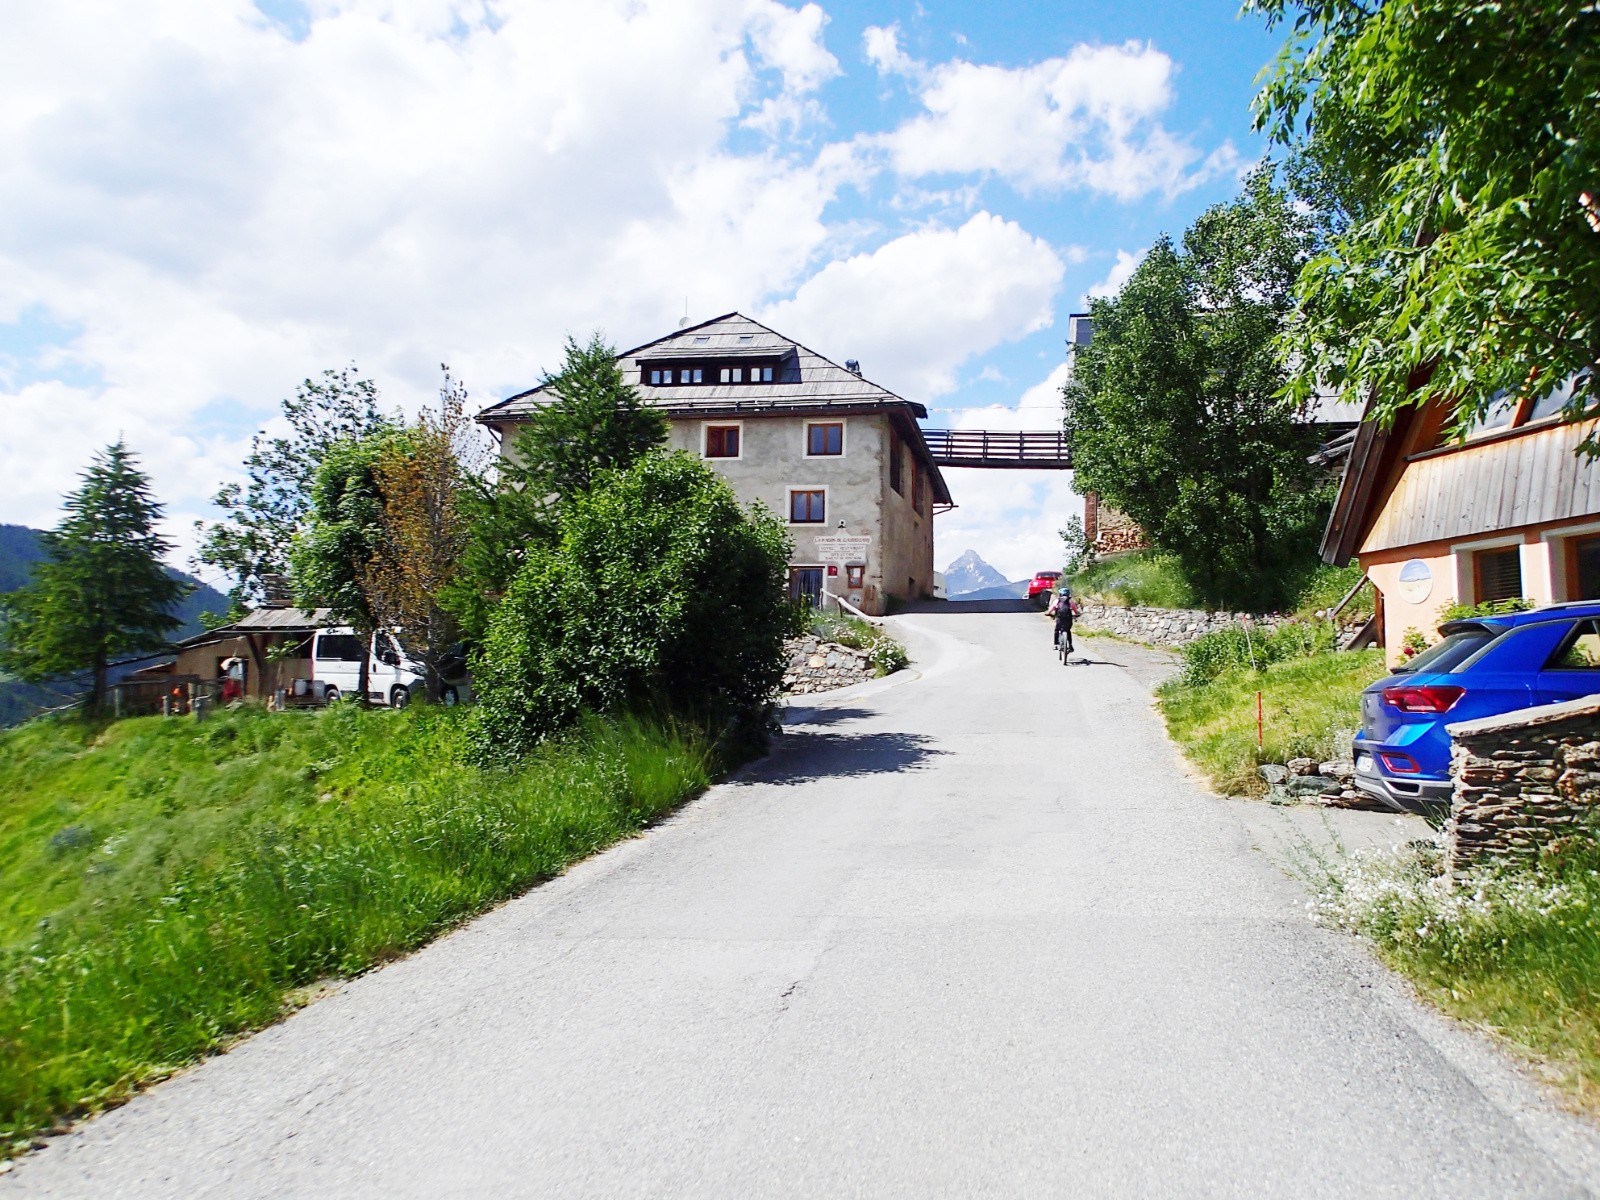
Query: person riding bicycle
column 1066, row 609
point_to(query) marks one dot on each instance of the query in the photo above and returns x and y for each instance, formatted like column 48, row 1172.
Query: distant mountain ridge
column 971, row 578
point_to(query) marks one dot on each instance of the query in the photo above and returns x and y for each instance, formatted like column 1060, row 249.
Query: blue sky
column 209, row 200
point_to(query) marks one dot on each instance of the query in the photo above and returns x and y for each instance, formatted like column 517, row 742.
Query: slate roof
column 805, row 380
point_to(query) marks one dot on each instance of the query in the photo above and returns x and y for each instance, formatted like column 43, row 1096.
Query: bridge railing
column 1039, row 449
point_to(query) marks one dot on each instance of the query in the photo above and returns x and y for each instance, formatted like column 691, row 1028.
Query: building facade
column 839, row 459
column 1510, row 511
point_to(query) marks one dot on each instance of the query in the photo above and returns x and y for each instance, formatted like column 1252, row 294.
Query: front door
column 805, row 585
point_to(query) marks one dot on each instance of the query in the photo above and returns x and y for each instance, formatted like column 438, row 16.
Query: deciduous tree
column 423, row 530
column 264, row 514
column 1458, row 145
column 1174, row 406
column 101, row 592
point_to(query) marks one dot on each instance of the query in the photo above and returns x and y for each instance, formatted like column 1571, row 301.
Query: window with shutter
column 1499, row 574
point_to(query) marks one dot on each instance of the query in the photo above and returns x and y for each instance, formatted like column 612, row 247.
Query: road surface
column 971, row 933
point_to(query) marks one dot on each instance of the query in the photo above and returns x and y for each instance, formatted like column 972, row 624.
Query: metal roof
column 267, row 620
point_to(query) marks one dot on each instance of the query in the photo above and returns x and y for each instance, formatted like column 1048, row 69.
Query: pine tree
column 101, row 593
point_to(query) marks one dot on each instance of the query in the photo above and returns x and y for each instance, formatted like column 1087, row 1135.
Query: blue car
column 1484, row 666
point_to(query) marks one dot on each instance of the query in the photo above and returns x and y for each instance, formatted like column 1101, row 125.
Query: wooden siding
column 1524, row 479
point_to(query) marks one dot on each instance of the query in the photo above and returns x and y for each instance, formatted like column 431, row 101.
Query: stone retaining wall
column 1522, row 780
column 1162, row 626
column 818, row 666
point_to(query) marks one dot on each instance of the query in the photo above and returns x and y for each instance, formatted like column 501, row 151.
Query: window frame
column 796, row 489
column 843, row 437
column 897, row 475
column 1479, row 592
column 1588, row 626
column 705, row 440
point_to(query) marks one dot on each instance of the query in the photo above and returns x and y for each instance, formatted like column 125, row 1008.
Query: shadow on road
column 970, row 607
column 799, row 714
column 800, row 757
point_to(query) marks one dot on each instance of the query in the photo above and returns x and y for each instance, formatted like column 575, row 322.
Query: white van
column 393, row 678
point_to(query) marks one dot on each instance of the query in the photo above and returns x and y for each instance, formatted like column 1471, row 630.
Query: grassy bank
column 165, row 885
column 1310, row 704
column 1519, row 953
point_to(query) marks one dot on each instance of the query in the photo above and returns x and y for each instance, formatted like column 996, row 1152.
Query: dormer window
column 732, row 374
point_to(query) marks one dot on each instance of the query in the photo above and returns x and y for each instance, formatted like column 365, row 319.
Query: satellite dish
column 682, row 322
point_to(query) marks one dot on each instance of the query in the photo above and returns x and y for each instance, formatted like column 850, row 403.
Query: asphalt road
column 969, row 934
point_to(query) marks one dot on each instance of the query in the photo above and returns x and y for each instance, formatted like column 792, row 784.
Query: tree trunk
column 364, row 676
column 97, row 689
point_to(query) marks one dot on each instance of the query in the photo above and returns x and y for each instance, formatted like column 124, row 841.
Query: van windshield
column 1450, row 653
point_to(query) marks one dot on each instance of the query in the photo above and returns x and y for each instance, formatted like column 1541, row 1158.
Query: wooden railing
column 1040, row 450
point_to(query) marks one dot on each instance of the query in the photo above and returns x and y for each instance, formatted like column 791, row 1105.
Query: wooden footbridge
column 1032, row 450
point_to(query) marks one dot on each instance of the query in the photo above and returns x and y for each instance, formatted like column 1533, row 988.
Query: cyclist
column 1066, row 609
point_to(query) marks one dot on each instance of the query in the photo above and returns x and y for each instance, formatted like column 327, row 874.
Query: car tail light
column 1430, row 698
column 1400, row 764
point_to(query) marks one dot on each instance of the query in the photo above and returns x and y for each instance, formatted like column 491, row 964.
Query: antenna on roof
column 684, row 321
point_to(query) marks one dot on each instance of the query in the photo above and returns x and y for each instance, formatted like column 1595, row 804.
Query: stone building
column 840, row 459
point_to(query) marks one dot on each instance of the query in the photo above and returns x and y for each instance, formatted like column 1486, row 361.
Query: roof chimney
column 853, row 366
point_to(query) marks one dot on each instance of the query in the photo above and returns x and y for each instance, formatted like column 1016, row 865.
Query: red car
column 1042, row 584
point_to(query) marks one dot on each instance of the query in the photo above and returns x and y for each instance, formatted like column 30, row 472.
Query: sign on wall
column 1416, row 581
column 842, row 549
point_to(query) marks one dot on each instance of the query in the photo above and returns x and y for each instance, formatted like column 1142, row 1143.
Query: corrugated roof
column 805, row 378
column 267, row 620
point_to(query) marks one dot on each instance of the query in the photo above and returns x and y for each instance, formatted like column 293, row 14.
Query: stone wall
column 1522, row 780
column 1161, row 626
column 818, row 666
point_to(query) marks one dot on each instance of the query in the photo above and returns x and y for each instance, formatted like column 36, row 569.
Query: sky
column 207, row 201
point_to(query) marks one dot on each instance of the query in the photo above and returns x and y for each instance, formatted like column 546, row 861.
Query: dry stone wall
column 818, row 666
column 1162, row 626
column 1522, row 781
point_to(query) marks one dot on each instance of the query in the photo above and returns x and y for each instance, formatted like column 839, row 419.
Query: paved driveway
column 971, row 934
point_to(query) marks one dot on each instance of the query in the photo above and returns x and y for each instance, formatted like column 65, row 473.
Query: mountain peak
column 970, row 573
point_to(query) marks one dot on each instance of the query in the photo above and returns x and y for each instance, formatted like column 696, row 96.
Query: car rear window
column 1450, row 653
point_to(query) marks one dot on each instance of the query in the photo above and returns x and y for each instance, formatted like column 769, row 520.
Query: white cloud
column 1086, row 120
column 913, row 310
column 1120, row 272
column 212, row 209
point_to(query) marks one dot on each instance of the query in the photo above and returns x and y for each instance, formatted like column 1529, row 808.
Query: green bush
column 1207, row 657
column 1489, row 608
column 1325, row 586
column 662, row 593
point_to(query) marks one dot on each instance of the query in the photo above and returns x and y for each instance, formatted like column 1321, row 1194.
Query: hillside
column 20, row 548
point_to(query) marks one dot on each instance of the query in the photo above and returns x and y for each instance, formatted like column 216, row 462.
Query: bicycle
column 1063, row 647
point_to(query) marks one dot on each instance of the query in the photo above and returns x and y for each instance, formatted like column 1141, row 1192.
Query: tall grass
column 1145, row 577
column 1516, row 951
column 167, row 885
column 1310, row 707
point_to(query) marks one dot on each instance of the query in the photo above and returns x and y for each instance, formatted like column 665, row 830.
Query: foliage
column 1458, row 611
column 1311, row 706
column 1325, row 586
column 1518, row 952
column 101, row 591
column 1144, row 577
column 165, row 884
column 263, row 516
column 887, row 654
column 1080, row 554
column 1413, row 642
column 1461, row 146
column 593, row 422
column 662, row 593
column 422, row 531
column 1236, row 649
column 1175, row 410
